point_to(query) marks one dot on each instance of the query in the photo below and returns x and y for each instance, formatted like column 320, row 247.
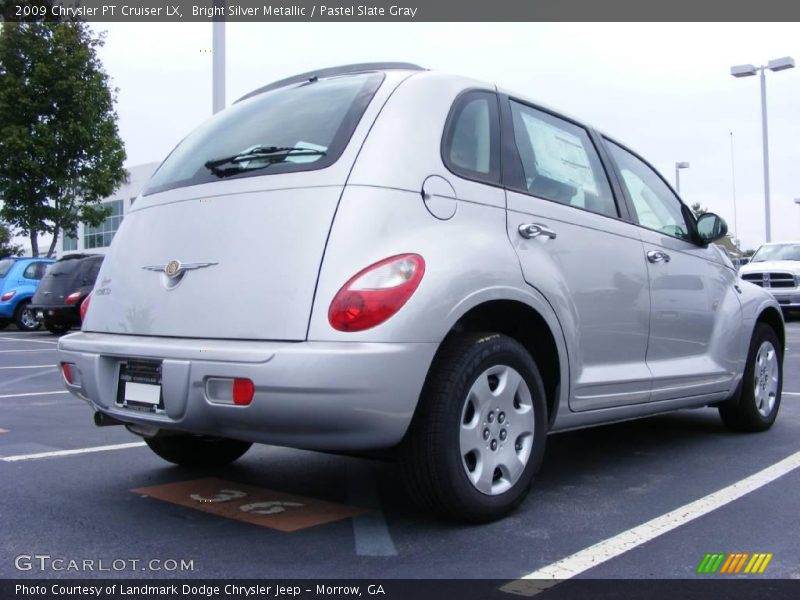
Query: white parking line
column 33, row 394
column 32, row 367
column 790, row 393
column 34, row 350
column 588, row 558
column 71, row 452
column 21, row 339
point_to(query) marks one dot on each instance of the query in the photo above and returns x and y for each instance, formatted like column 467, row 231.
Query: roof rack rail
column 331, row 72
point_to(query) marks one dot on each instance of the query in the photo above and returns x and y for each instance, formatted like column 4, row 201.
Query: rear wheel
column 756, row 406
column 196, row 450
column 478, row 436
column 55, row 328
column 24, row 318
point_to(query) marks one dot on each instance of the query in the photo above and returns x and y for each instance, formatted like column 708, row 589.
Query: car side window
column 560, row 162
column 655, row 206
column 471, row 142
column 34, row 270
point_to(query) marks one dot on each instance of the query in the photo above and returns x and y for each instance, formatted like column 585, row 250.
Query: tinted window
column 5, row 266
column 559, row 161
column 317, row 117
column 471, row 145
column 654, row 204
column 64, row 267
column 91, row 269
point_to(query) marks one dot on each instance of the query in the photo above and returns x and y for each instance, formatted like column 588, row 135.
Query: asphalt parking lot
column 319, row 516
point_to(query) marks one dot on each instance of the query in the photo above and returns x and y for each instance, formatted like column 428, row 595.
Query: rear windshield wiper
column 268, row 154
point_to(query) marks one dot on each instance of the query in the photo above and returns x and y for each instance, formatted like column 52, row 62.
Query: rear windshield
column 64, row 267
column 5, row 266
column 297, row 128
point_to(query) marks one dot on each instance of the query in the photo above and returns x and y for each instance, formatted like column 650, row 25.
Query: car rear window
column 64, row 267
column 5, row 266
column 301, row 127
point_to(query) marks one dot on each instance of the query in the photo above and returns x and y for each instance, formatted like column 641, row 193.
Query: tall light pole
column 218, row 59
column 733, row 190
column 778, row 64
column 678, row 167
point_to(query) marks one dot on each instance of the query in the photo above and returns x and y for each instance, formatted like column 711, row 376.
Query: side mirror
column 711, row 227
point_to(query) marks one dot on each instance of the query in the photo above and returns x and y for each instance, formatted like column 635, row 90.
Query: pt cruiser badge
column 174, row 270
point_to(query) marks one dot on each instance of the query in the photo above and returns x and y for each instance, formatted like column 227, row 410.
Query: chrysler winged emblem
column 174, row 270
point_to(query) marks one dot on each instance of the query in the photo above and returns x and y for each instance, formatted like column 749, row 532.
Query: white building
column 96, row 240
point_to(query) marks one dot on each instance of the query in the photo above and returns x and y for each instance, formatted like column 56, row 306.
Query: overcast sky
column 663, row 89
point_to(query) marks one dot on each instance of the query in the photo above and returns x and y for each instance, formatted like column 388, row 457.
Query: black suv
column 65, row 285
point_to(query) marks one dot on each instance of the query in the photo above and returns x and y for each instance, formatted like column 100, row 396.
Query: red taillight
column 85, row 306
column 7, row 296
column 66, row 369
column 243, row 390
column 375, row 294
column 73, row 298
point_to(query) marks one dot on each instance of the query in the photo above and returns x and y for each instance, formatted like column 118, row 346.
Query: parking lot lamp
column 778, row 64
column 678, row 167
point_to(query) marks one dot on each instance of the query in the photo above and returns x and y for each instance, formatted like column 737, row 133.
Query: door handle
column 532, row 230
column 657, row 256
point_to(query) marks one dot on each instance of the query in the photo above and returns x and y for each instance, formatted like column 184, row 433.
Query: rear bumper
column 7, row 310
column 67, row 314
column 316, row 395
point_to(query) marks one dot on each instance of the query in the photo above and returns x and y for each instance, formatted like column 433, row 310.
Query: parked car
column 19, row 278
column 422, row 263
column 65, row 286
column 776, row 268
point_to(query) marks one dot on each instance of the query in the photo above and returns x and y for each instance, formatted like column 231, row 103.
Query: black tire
column 741, row 413
column 432, row 466
column 56, row 328
column 197, row 451
column 24, row 318
column 4, row 323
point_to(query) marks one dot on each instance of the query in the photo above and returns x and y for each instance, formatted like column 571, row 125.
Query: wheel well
column 523, row 324
column 773, row 318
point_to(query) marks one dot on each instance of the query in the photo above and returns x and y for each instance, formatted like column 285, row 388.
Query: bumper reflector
column 224, row 390
column 70, row 373
column 243, row 390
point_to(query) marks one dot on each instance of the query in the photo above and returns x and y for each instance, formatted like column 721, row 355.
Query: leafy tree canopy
column 6, row 247
column 59, row 144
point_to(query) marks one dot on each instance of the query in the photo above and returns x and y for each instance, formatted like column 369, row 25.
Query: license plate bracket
column 139, row 385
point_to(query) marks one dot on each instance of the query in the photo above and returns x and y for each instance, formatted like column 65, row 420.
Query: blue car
column 19, row 278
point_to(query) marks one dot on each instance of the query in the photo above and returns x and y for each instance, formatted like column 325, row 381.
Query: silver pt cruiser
column 380, row 257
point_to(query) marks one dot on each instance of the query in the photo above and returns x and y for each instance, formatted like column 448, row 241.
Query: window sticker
column 560, row 155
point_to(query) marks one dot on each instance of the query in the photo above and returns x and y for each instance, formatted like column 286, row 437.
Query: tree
column 59, row 144
column 6, row 247
column 698, row 210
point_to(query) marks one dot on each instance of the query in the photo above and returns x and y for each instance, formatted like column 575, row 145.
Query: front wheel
column 478, row 436
column 24, row 318
column 196, row 450
column 756, row 406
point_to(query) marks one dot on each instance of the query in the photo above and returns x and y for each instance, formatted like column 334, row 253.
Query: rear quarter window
column 471, row 140
column 5, row 266
column 315, row 119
